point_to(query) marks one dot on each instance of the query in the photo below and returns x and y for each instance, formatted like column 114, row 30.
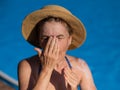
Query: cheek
column 63, row 45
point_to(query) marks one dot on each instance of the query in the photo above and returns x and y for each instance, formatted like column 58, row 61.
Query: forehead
column 54, row 28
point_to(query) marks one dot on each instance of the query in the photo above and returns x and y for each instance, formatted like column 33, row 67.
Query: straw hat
column 30, row 21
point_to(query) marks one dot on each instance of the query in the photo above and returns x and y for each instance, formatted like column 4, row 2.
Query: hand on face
column 71, row 78
column 49, row 56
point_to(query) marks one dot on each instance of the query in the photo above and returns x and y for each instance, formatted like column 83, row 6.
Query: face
column 58, row 30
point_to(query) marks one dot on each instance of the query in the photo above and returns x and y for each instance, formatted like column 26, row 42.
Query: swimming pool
column 102, row 47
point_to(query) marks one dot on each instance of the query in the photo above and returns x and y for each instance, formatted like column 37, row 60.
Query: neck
column 59, row 66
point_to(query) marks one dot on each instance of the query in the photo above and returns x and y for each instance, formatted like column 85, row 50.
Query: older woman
column 53, row 30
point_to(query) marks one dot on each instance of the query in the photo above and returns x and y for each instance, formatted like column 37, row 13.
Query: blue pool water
column 102, row 47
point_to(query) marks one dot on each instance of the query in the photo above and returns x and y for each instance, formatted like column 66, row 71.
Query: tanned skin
column 55, row 73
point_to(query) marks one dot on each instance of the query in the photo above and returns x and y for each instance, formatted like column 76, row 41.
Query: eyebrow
column 51, row 35
column 60, row 35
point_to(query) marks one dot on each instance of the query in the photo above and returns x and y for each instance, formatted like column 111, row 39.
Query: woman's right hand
column 49, row 56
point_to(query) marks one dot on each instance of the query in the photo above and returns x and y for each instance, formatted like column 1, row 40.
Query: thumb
column 38, row 50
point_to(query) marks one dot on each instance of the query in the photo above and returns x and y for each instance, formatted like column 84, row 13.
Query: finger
column 52, row 45
column 67, row 69
column 58, row 48
column 66, row 78
column 55, row 49
column 70, row 80
column 48, row 45
column 72, row 74
column 38, row 50
column 71, row 77
column 69, row 73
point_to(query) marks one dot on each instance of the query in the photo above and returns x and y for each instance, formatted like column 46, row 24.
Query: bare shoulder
column 24, row 71
column 78, row 62
column 82, row 69
column 25, row 68
column 24, row 64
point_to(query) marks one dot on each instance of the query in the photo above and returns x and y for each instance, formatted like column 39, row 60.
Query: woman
column 53, row 30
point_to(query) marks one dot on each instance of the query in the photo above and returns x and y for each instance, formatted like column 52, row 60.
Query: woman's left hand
column 71, row 78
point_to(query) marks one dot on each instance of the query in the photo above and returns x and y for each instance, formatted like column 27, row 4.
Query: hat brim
column 29, row 23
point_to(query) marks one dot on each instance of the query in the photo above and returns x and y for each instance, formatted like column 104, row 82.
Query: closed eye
column 60, row 37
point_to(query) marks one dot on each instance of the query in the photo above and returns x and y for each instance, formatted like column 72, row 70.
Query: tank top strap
column 68, row 62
